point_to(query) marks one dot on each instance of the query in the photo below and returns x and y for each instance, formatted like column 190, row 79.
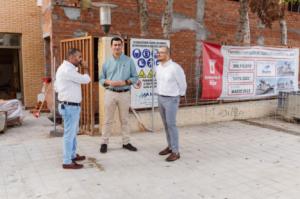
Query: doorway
column 10, row 77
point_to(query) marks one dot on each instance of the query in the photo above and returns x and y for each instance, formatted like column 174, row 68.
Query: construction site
column 56, row 26
column 239, row 119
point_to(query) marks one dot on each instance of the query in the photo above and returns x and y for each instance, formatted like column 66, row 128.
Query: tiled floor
column 231, row 160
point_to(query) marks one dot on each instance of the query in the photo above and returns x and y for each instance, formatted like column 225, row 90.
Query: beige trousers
column 112, row 100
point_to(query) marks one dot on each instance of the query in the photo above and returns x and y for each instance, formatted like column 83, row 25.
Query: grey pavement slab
column 276, row 123
column 229, row 160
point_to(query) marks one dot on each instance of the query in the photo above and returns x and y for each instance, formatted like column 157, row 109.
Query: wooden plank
column 76, row 39
column 61, row 50
column 87, row 87
column 83, row 91
column 83, row 97
column 91, row 71
column 66, row 51
column 84, row 88
column 82, row 110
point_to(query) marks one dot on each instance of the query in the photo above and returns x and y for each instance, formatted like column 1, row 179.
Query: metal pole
column 55, row 132
column 53, row 93
column 152, row 57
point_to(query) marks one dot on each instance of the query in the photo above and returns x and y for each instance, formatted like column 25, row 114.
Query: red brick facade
column 24, row 18
column 220, row 20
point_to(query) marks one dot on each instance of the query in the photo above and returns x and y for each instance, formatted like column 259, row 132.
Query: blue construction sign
column 136, row 53
column 146, row 53
column 150, row 62
column 141, row 63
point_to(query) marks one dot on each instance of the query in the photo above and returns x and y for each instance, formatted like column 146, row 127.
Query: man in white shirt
column 171, row 84
column 68, row 86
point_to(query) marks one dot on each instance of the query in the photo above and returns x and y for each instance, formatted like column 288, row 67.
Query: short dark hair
column 115, row 39
column 72, row 51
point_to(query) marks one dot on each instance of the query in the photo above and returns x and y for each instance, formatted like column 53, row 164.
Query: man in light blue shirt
column 118, row 74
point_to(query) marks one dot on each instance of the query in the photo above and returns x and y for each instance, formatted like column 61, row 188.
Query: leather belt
column 165, row 96
column 118, row 91
column 70, row 103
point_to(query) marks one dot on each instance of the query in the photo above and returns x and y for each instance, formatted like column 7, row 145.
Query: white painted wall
column 196, row 115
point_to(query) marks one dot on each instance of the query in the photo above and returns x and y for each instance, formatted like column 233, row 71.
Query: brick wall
column 223, row 24
column 221, row 20
column 24, row 17
column 47, row 17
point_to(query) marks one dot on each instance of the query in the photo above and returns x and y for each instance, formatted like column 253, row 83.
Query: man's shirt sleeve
column 181, row 80
column 133, row 74
column 102, row 77
column 74, row 76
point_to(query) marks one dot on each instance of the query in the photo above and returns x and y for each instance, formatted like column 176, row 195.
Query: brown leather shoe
column 73, row 165
column 78, row 158
column 173, row 157
column 166, row 151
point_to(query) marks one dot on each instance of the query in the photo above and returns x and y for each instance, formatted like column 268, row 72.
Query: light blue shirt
column 119, row 69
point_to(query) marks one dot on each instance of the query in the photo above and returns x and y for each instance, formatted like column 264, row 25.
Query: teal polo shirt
column 122, row 68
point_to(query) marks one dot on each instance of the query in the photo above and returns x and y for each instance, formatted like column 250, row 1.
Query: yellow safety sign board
column 142, row 74
column 150, row 74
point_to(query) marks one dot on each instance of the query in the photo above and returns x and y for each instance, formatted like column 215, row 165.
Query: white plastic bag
column 12, row 107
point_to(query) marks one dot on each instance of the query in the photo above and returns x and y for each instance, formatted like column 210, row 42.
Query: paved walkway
column 232, row 160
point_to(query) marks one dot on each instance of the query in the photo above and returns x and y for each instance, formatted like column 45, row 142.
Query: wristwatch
column 127, row 82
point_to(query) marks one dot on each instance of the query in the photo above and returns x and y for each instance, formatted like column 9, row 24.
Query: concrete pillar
column 104, row 51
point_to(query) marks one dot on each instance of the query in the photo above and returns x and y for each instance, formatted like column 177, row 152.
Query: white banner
column 255, row 72
column 144, row 54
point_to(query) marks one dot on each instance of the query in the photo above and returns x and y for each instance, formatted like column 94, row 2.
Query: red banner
column 212, row 71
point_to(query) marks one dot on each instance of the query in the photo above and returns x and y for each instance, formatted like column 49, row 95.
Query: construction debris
column 3, row 116
column 13, row 109
column 41, row 105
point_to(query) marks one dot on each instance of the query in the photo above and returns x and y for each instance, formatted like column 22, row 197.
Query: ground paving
column 228, row 160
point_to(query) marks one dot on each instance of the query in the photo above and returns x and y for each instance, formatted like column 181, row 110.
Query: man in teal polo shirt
column 118, row 74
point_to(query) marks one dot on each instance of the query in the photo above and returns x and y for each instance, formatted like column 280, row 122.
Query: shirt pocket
column 124, row 70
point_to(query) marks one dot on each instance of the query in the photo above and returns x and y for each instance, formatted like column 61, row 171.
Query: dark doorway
column 10, row 78
column 47, row 53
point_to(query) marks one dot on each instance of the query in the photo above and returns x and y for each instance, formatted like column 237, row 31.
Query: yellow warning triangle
column 150, row 74
column 142, row 74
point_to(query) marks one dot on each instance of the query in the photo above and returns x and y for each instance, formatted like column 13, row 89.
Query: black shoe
column 103, row 148
column 129, row 147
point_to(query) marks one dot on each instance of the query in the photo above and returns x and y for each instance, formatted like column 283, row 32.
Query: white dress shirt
column 68, row 82
column 170, row 79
